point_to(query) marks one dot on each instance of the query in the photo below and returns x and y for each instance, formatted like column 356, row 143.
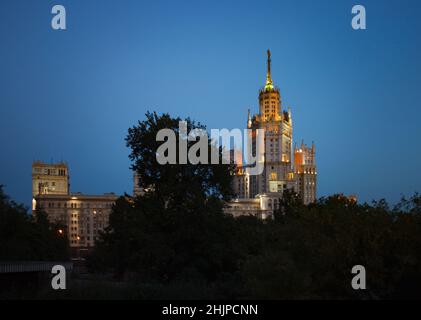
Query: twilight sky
column 71, row 95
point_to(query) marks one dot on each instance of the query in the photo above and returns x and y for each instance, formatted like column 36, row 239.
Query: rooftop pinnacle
column 269, row 83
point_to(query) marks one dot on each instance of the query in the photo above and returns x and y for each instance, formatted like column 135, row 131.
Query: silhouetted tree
column 188, row 184
column 176, row 229
column 26, row 237
column 176, row 236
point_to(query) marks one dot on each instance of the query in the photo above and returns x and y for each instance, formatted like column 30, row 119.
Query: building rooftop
column 78, row 196
column 38, row 163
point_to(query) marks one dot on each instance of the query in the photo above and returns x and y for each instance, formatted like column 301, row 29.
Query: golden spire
column 269, row 83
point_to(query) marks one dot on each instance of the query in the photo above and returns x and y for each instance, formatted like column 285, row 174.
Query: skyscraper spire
column 269, row 83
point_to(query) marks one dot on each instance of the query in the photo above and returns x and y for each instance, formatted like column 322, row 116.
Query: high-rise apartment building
column 284, row 168
column 82, row 216
column 50, row 178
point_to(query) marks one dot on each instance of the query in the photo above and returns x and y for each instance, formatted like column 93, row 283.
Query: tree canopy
column 176, row 236
column 28, row 237
column 174, row 184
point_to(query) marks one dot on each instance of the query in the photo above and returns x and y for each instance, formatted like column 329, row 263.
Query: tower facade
column 82, row 217
column 137, row 189
column 284, row 168
column 50, row 178
column 277, row 123
column 305, row 172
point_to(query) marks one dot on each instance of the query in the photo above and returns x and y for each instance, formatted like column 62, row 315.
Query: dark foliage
column 26, row 237
column 175, row 238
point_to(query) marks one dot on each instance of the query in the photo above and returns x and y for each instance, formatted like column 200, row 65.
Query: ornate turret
column 269, row 97
column 269, row 83
column 248, row 119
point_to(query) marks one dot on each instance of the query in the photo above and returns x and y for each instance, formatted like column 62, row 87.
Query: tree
column 176, row 233
column 176, row 230
column 174, row 184
column 25, row 237
column 290, row 204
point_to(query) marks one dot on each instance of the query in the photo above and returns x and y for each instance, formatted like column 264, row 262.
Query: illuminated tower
column 49, row 179
column 277, row 174
column 259, row 194
column 305, row 172
column 269, row 97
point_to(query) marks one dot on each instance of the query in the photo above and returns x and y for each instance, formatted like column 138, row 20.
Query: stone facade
column 82, row 216
column 50, row 178
column 281, row 171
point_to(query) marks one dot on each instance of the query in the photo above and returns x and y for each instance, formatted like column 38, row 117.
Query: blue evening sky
column 71, row 95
